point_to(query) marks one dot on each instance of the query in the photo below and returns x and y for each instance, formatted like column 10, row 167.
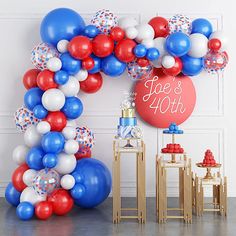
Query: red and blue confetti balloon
column 180, row 23
column 85, row 137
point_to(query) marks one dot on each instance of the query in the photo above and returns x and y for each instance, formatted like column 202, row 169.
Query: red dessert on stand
column 209, row 159
column 172, row 148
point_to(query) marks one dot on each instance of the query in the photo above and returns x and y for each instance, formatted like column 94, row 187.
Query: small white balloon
column 126, row 22
column 71, row 123
column 159, row 43
column 131, row 33
column 168, row 61
column 28, row 177
column 19, row 154
column 71, row 87
column 54, row 64
column 82, row 75
column 223, row 39
column 65, row 163
column 53, row 99
column 43, row 127
column 71, row 146
column 199, row 45
column 67, row 182
column 62, row 45
column 69, row 132
column 29, row 195
column 145, row 31
column 32, row 137
column 148, row 43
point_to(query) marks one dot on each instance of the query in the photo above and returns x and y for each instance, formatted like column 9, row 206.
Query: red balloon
column 17, row 177
column 84, row 152
column 45, row 80
column 117, row 33
column 30, row 78
column 143, row 61
column 214, row 44
column 92, row 84
column 57, row 120
column 124, row 50
column 61, row 201
column 160, row 26
column 176, row 69
column 88, row 63
column 43, row 210
column 80, row 47
column 103, row 45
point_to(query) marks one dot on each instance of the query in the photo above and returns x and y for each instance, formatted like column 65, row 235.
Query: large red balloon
column 45, row 80
column 43, row 210
column 92, row 84
column 124, row 50
column 117, row 33
column 17, row 177
column 30, row 78
column 80, row 47
column 103, row 45
column 176, row 69
column 160, row 26
column 61, row 201
column 164, row 99
column 57, row 120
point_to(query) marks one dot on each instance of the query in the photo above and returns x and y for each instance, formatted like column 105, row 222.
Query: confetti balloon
column 85, row 137
column 41, row 54
column 215, row 61
column 104, row 20
column 46, row 181
column 137, row 72
column 24, row 118
column 180, row 23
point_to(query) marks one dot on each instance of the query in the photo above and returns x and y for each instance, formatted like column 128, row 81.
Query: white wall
column 211, row 126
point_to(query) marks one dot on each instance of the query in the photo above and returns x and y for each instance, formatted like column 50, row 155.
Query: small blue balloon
column 25, row 211
column 178, row 44
column 77, row 191
column 91, row 31
column 152, row 54
column 34, row 158
column 112, row 66
column 40, row 112
column 73, row 107
column 53, row 142
column 61, row 23
column 12, row 195
column 61, row 77
column 32, row 98
column 202, row 26
column 70, row 64
column 97, row 65
column 50, row 160
column 140, row 50
column 191, row 66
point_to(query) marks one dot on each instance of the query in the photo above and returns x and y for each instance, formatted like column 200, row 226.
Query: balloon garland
column 54, row 169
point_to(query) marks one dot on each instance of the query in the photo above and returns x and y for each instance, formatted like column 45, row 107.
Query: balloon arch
column 54, row 169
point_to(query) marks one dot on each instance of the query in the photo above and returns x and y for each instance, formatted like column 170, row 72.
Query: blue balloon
column 50, row 160
column 53, row 142
column 191, row 66
column 40, row 112
column 202, row 26
column 34, row 158
column 152, row 54
column 32, row 98
column 73, row 107
column 12, row 195
column 140, row 50
column 61, row 77
column 97, row 65
column 178, row 44
column 25, row 211
column 96, row 181
column 91, row 31
column 77, row 191
column 70, row 64
column 61, row 23
column 112, row 66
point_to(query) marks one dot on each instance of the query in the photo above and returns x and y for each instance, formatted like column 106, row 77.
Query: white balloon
column 71, row 87
column 82, row 75
column 71, row 146
column 28, row 176
column 145, row 31
column 223, row 39
column 131, row 33
column 148, row 43
column 159, row 43
column 29, row 195
column 199, row 47
column 53, row 99
column 43, row 127
column 65, row 163
column 19, row 154
column 126, row 22
column 54, row 64
column 69, row 132
column 62, row 45
column 168, row 61
column 32, row 137
column 67, row 182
